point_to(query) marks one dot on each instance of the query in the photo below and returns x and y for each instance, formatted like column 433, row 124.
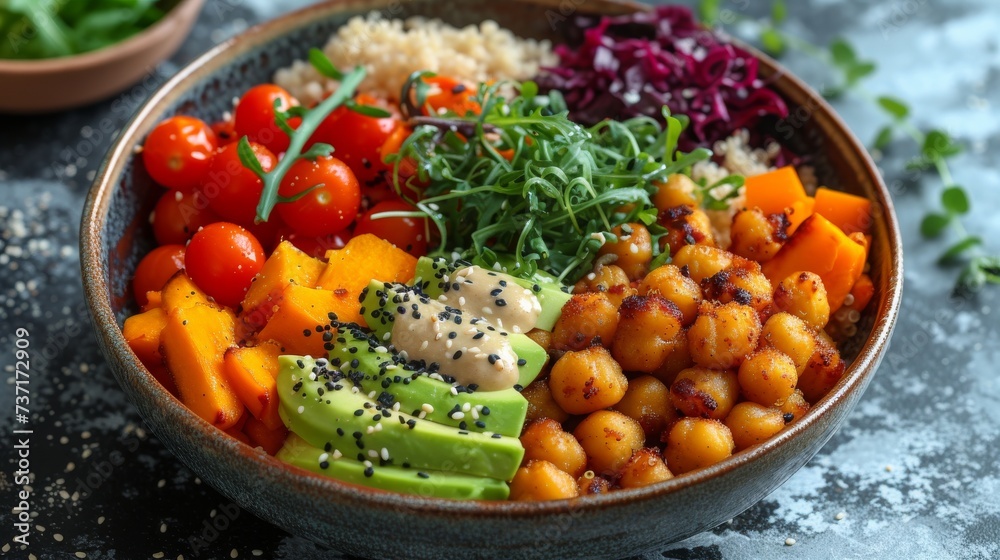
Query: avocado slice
column 378, row 305
column 344, row 418
column 437, row 484
column 374, row 367
column 551, row 293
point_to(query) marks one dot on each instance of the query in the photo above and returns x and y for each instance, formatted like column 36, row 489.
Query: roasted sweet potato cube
column 251, row 372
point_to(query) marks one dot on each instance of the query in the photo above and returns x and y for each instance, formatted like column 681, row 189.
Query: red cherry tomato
column 177, row 152
column 267, row 233
column 411, row 186
column 326, row 209
column 155, row 269
column 450, row 94
column 232, row 190
column 225, row 131
column 254, row 116
column 178, row 215
column 222, row 259
column 316, row 246
column 409, row 234
column 357, row 139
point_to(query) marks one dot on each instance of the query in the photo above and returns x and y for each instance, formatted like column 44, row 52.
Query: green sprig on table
column 936, row 147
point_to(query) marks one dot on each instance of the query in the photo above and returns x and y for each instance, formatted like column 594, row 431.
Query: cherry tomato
column 412, row 189
column 155, row 269
column 316, row 246
column 178, row 215
column 409, row 234
column 232, row 190
column 326, row 209
column 267, row 233
column 177, row 152
column 450, row 94
column 222, row 259
column 225, row 131
column 254, row 116
column 357, row 139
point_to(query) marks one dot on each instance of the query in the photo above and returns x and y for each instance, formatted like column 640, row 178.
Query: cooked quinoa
column 392, row 49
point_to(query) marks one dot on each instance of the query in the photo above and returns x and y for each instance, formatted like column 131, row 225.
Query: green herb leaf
column 972, row 278
column 842, row 53
column 954, row 200
column 896, row 108
column 854, row 73
column 779, row 12
column 939, row 145
column 368, row 110
column 933, row 224
column 772, row 41
column 323, row 65
column 248, row 158
column 661, row 259
column 529, row 89
column 883, row 138
column 317, row 150
column 957, row 249
column 709, row 11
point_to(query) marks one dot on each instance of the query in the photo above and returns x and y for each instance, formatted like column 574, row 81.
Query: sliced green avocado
column 437, row 484
column 550, row 292
column 326, row 409
column 379, row 301
column 372, row 366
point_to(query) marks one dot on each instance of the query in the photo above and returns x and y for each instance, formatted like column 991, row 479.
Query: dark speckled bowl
column 372, row 523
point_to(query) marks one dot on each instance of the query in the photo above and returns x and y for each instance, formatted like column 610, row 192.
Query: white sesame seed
column 385, row 454
column 161, row 483
column 378, row 427
column 371, row 429
column 80, row 554
column 337, row 454
column 301, row 409
column 423, row 345
column 369, row 463
column 234, row 553
column 633, row 248
column 158, row 555
column 466, row 407
column 457, row 415
column 100, row 520
column 323, row 457
column 427, row 407
column 163, row 527
column 422, row 415
column 257, row 552
column 454, row 391
column 381, row 349
column 840, row 516
column 789, row 541
column 58, row 537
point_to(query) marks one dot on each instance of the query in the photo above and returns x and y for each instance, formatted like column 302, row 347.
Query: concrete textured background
column 913, row 471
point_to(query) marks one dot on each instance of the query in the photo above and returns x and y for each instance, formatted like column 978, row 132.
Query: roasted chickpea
column 722, row 336
column 541, row 337
column 701, row 261
column 545, row 440
column 823, row 370
column 707, row 393
column 590, row 484
column 678, row 360
column 646, row 327
column 768, row 377
column 744, row 283
column 695, row 443
column 644, row 468
column 802, row 294
column 647, row 401
column 685, row 225
column 634, row 249
column 588, row 380
column 609, row 279
column 679, row 189
column 609, row 438
column 757, row 236
column 791, row 336
column 541, row 480
column 794, row 407
column 540, row 402
column 586, row 319
column 751, row 423
column 669, row 282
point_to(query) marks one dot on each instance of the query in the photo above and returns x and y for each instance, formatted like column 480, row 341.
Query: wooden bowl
column 372, row 523
column 53, row 84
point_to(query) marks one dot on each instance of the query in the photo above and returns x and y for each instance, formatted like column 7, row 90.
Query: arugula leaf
column 933, row 224
column 956, row 250
column 954, row 200
column 896, row 108
column 939, row 145
column 883, row 138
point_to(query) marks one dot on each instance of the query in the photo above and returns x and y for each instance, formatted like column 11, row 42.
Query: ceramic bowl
column 372, row 523
column 36, row 86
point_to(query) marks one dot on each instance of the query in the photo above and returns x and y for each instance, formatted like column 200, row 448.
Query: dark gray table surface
column 913, row 473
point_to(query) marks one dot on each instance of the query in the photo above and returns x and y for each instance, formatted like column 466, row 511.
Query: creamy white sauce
column 486, row 294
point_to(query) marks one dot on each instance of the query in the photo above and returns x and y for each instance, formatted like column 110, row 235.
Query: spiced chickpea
column 586, row 319
column 723, row 335
column 541, row 480
column 608, row 279
column 545, row 440
column 588, row 380
column 751, row 423
column 791, row 336
column 540, row 337
column 824, row 369
column 677, row 360
column 794, row 407
column 685, row 225
column 633, row 249
column 707, row 393
column 609, row 438
column 648, row 402
column 702, row 261
column 591, row 483
column 757, row 236
column 678, row 189
column 742, row 282
column 802, row 294
column 695, row 443
column 644, row 468
column 541, row 404
column 669, row 282
column 767, row 377
column 646, row 327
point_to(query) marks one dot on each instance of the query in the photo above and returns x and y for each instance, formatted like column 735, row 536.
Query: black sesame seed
column 496, row 292
column 485, row 411
column 324, row 464
column 340, row 432
column 496, row 436
column 359, row 412
column 478, row 335
column 493, row 358
column 327, row 447
column 522, row 362
column 457, row 355
column 788, row 417
column 296, row 387
column 501, row 302
column 357, row 435
column 423, row 475
column 306, row 332
column 452, row 335
column 369, row 472
column 480, row 424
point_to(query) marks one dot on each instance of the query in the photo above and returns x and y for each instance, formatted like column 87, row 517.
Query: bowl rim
column 855, row 378
column 103, row 55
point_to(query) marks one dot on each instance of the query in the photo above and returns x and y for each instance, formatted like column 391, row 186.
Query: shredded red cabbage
column 632, row 65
